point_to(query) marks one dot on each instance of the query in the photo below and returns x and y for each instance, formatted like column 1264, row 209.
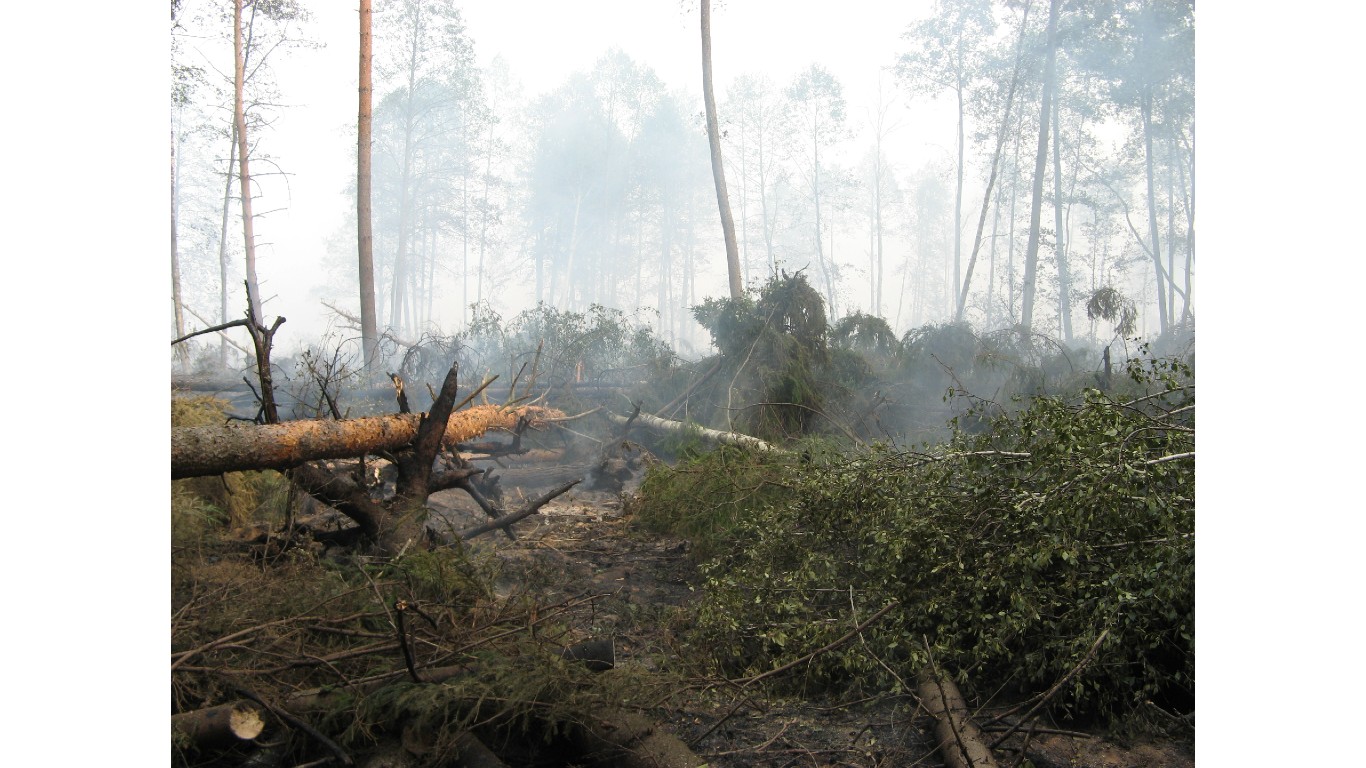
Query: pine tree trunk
column 1163, row 313
column 244, row 174
column 369, row 325
column 1040, row 164
column 215, row 449
column 1064, row 277
column 991, row 182
column 718, row 170
column 181, row 350
column 484, row 214
column 1188, row 202
column 816, row 199
column 223, row 247
column 958, row 210
column 400, row 313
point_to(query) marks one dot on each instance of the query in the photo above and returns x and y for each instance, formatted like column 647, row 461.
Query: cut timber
column 631, row 740
column 669, row 425
column 959, row 740
column 213, row 450
column 216, row 726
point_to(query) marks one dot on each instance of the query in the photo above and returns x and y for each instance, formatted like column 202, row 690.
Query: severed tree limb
column 214, row 329
column 492, row 511
column 1172, row 457
column 185, row 656
column 575, row 417
column 221, row 335
column 960, row 741
column 732, row 438
column 512, row 388
column 356, row 324
column 530, row 509
column 470, row 397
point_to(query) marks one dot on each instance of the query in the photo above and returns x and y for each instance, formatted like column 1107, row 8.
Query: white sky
column 544, row 42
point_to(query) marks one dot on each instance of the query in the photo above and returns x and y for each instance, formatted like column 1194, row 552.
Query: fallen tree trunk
column 959, row 740
column 213, row 450
column 669, row 425
column 631, row 740
column 220, row 725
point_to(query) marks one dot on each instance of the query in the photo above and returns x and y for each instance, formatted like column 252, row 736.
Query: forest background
column 85, row 232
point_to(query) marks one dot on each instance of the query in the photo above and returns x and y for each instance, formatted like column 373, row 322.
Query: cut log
column 220, row 725
column 669, row 425
column 958, row 739
column 213, row 450
column 631, row 740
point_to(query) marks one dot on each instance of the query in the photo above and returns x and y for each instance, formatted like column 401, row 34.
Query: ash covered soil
column 635, row 586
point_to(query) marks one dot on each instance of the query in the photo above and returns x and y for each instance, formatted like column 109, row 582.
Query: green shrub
column 707, row 495
column 444, row 576
column 1008, row 552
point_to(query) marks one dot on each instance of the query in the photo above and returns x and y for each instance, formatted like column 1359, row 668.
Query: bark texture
column 1040, row 161
column 365, row 241
column 220, row 725
column 198, row 451
column 244, row 175
column 717, row 168
column 959, row 740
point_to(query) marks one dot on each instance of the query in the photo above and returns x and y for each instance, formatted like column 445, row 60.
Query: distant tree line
column 1069, row 169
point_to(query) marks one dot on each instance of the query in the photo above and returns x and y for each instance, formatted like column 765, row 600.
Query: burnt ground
column 584, row 546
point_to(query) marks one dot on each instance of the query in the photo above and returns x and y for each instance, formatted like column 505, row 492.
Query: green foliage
column 950, row 348
column 1009, row 552
column 777, row 359
column 707, row 494
column 193, row 518
column 601, row 344
column 235, row 498
column 734, row 324
column 1106, row 303
column 869, row 334
column 443, row 576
